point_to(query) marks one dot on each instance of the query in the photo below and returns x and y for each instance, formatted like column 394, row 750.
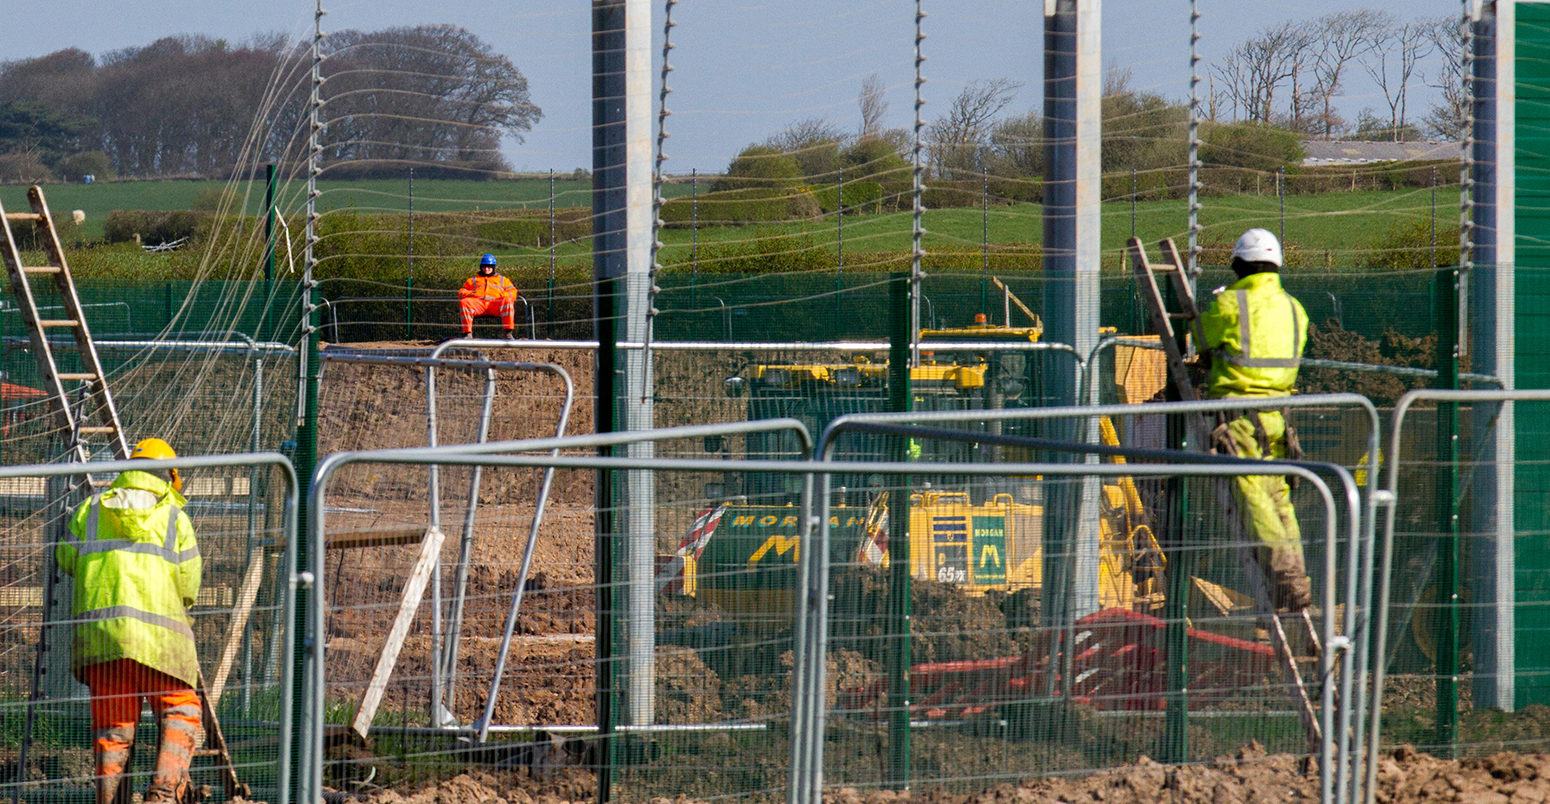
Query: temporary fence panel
column 726, row 646
column 202, row 365
column 994, row 697
column 1463, row 651
column 718, row 673
column 242, row 508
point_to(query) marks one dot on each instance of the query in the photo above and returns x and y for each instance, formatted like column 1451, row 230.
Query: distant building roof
column 1358, row 152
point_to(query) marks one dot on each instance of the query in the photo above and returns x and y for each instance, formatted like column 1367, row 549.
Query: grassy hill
column 1333, row 228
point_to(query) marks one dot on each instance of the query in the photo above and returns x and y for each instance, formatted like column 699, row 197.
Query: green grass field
column 1334, row 228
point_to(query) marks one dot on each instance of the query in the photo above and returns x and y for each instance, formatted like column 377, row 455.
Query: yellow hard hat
column 155, row 449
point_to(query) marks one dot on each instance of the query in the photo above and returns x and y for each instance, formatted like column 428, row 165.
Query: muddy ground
column 550, row 678
column 1248, row 776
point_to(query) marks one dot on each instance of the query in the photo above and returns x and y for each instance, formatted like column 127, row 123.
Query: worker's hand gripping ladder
column 1199, row 429
column 87, row 429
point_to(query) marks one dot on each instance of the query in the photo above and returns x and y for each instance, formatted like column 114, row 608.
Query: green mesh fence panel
column 180, row 365
column 239, row 516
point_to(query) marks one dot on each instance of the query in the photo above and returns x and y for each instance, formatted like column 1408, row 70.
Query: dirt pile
column 1248, row 776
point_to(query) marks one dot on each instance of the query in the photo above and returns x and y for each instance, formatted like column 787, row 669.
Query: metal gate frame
column 445, row 648
column 806, row 775
column 284, row 765
column 1338, row 780
column 1390, row 494
column 491, row 454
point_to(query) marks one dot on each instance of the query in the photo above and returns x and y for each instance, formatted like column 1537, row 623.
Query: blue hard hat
column 488, row 259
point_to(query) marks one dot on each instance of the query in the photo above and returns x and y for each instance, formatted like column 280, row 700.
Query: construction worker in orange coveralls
column 488, row 293
column 137, row 569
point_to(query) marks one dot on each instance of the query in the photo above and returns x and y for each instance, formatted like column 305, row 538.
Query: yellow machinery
column 741, row 555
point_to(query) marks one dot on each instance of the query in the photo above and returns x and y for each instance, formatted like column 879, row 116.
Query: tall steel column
column 1489, row 328
column 640, row 524
column 1073, row 96
column 307, row 413
column 608, row 270
column 622, row 269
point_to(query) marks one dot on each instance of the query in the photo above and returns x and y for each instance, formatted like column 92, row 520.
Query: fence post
column 260, row 332
column 839, row 223
column 1281, row 198
column 1446, row 581
column 409, row 288
column 899, row 544
column 550, row 313
column 1175, row 748
column 984, row 240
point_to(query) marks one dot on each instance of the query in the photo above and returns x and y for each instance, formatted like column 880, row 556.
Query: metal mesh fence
column 192, row 363
column 841, row 303
column 697, row 697
column 1462, row 655
column 995, row 695
column 240, row 508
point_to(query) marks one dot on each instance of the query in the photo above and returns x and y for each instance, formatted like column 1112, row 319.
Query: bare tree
column 814, row 143
column 1017, row 146
column 1448, row 118
column 873, row 105
column 1256, row 70
column 957, row 137
column 1340, row 39
column 1394, row 53
column 1117, row 80
column 1234, row 76
column 424, row 94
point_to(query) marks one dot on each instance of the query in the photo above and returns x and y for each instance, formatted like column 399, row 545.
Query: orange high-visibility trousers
column 117, row 688
column 473, row 306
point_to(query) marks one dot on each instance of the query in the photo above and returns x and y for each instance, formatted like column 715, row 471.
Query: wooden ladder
column 98, row 423
column 1199, row 429
column 94, row 426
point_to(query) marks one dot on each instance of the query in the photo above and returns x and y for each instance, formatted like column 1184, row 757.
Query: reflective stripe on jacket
column 487, row 287
column 137, row 568
column 1255, row 332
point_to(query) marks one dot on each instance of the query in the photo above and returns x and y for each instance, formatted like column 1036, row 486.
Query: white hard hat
column 1258, row 245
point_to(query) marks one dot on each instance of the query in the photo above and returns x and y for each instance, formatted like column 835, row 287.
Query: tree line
column 191, row 106
column 1290, row 74
column 1265, row 95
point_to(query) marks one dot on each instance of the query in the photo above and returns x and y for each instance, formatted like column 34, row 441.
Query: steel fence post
column 1447, row 491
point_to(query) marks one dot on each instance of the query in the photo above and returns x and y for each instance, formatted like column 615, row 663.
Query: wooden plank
column 374, row 538
column 238, row 625
column 193, row 487
column 1019, row 302
column 414, row 590
column 32, row 596
column 215, row 741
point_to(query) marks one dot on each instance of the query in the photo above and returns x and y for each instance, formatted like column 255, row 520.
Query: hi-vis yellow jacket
column 136, row 566
column 1255, row 332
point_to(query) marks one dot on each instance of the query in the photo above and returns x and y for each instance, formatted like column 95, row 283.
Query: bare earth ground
column 550, row 678
column 1250, row 776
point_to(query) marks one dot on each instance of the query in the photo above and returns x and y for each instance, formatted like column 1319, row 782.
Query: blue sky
column 743, row 69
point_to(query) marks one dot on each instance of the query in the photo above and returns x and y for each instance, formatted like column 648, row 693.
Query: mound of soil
column 1247, row 776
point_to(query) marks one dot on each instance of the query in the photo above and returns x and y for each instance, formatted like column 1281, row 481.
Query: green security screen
column 1531, row 162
